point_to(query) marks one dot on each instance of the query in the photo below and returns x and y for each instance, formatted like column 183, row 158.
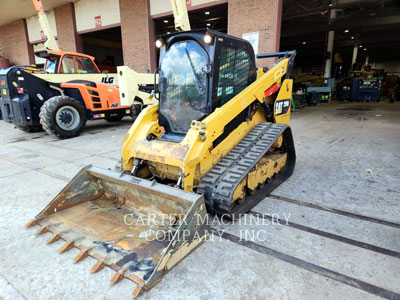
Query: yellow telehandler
column 217, row 142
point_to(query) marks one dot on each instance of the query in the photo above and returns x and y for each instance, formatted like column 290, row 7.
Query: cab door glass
column 233, row 75
column 51, row 64
column 68, row 64
column 183, row 85
column 85, row 65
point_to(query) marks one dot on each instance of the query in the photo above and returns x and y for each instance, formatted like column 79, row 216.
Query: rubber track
column 219, row 184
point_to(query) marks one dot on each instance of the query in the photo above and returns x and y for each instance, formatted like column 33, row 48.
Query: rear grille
column 94, row 93
column 96, row 99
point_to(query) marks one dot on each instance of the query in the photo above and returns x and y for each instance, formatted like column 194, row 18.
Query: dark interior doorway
column 106, row 46
column 214, row 17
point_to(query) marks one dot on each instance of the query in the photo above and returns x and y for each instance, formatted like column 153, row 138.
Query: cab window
column 68, row 64
column 77, row 65
column 183, row 86
column 85, row 65
column 51, row 64
column 233, row 75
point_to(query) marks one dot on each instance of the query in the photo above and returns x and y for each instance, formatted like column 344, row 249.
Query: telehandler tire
column 135, row 110
column 63, row 117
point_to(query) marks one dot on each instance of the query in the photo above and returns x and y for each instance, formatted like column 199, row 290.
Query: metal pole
column 355, row 52
column 331, row 38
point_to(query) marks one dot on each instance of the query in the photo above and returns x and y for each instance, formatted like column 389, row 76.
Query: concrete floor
column 345, row 245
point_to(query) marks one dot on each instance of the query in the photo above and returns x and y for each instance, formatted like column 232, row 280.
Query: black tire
column 63, row 117
column 135, row 111
column 114, row 118
column 30, row 128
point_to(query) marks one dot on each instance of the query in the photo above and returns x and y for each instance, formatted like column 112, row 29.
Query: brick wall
column 14, row 43
column 263, row 16
column 68, row 39
column 135, row 30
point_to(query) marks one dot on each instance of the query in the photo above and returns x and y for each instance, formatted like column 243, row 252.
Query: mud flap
column 139, row 228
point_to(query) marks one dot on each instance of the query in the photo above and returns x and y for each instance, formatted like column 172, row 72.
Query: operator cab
column 200, row 70
column 60, row 62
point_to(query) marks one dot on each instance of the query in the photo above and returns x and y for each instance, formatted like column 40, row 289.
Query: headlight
column 207, row 39
column 159, row 43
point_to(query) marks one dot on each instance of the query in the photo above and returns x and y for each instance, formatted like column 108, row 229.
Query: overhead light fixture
column 168, row 32
column 304, row 43
column 352, row 37
column 208, row 24
column 206, row 12
column 165, row 21
column 365, row 49
column 360, row 46
column 346, row 31
column 330, row 5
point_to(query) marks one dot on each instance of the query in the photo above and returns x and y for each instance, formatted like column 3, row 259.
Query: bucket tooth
column 31, row 223
column 53, row 239
column 67, row 246
column 81, row 255
column 100, row 264
column 117, row 277
column 137, row 291
column 41, row 230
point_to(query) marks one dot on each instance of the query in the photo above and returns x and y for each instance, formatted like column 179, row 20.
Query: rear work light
column 98, row 116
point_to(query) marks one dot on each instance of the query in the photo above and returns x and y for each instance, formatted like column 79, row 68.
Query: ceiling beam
column 340, row 26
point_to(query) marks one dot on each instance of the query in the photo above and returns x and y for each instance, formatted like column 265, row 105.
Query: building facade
column 123, row 31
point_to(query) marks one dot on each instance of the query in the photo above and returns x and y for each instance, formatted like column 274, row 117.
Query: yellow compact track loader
column 218, row 141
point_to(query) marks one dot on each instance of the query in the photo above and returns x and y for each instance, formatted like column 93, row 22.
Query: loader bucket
column 139, row 228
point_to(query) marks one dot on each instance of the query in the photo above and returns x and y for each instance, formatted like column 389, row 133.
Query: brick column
column 137, row 32
column 263, row 16
column 68, row 39
column 15, row 43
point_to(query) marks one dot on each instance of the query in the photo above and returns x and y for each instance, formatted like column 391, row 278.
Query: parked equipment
column 322, row 93
column 219, row 140
column 61, row 109
column 366, row 89
column 68, row 92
